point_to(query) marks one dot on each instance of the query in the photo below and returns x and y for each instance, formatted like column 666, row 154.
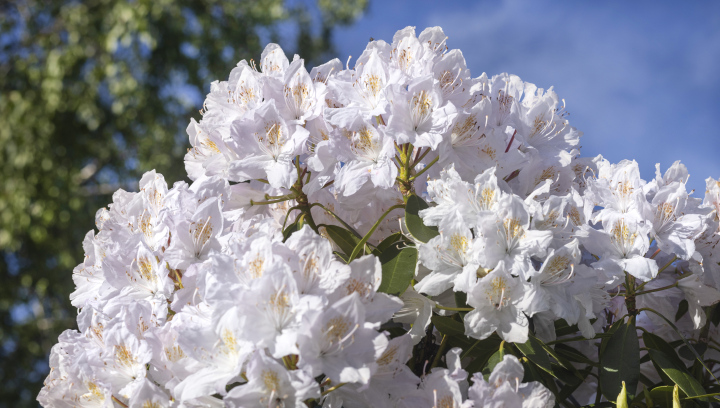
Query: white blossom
column 293, row 269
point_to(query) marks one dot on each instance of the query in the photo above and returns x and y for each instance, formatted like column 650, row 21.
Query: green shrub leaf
column 620, row 361
column 387, row 242
column 678, row 374
column 414, row 223
column 533, row 350
column 343, row 238
column 398, row 269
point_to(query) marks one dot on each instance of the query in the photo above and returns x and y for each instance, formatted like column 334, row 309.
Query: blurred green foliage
column 93, row 94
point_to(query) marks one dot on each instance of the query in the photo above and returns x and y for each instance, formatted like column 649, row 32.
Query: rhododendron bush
column 396, row 234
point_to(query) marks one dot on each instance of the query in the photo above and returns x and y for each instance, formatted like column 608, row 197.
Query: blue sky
column 640, row 79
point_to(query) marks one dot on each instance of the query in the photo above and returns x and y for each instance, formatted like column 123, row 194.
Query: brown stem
column 630, row 297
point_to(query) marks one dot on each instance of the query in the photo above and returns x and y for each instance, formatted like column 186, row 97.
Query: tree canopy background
column 93, row 94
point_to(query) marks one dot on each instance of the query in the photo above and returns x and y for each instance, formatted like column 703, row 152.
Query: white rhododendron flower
column 397, row 233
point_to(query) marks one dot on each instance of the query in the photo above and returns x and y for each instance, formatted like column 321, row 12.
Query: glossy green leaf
column 414, row 223
column 398, row 269
column 662, row 396
column 714, row 314
column 482, row 354
column 620, row 361
column 644, row 380
column 714, row 397
column 461, row 301
column 394, row 329
column 677, row 373
column 682, row 309
column 685, row 352
column 289, row 230
column 572, row 385
column 611, row 331
column 341, row 256
column 361, row 245
column 479, row 350
column 448, row 325
column 564, row 329
column 692, row 349
column 494, row 359
column 569, row 377
column 572, row 354
column 655, row 342
column 344, row 239
column 387, row 242
column 533, row 350
column 564, row 363
column 533, row 373
column 648, row 397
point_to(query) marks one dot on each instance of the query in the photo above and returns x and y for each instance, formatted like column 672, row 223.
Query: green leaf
column 341, row 256
column 461, row 301
column 610, row 332
column 573, row 385
column 494, row 359
column 532, row 373
column 692, row 349
column 715, row 311
column 387, row 242
column 677, row 373
column 395, row 329
column 662, row 396
column 682, row 309
column 343, row 238
column 569, row 377
column 572, row 354
column 481, row 358
column 564, row 329
column 714, row 395
column 687, row 354
column 414, row 223
column 398, row 269
column 648, row 397
column 564, row 363
column 653, row 341
column 533, row 350
column 448, row 325
column 620, row 361
column 361, row 244
column 289, row 230
column 479, row 350
column 645, row 380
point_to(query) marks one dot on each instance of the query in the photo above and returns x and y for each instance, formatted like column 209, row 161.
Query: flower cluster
column 397, row 234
